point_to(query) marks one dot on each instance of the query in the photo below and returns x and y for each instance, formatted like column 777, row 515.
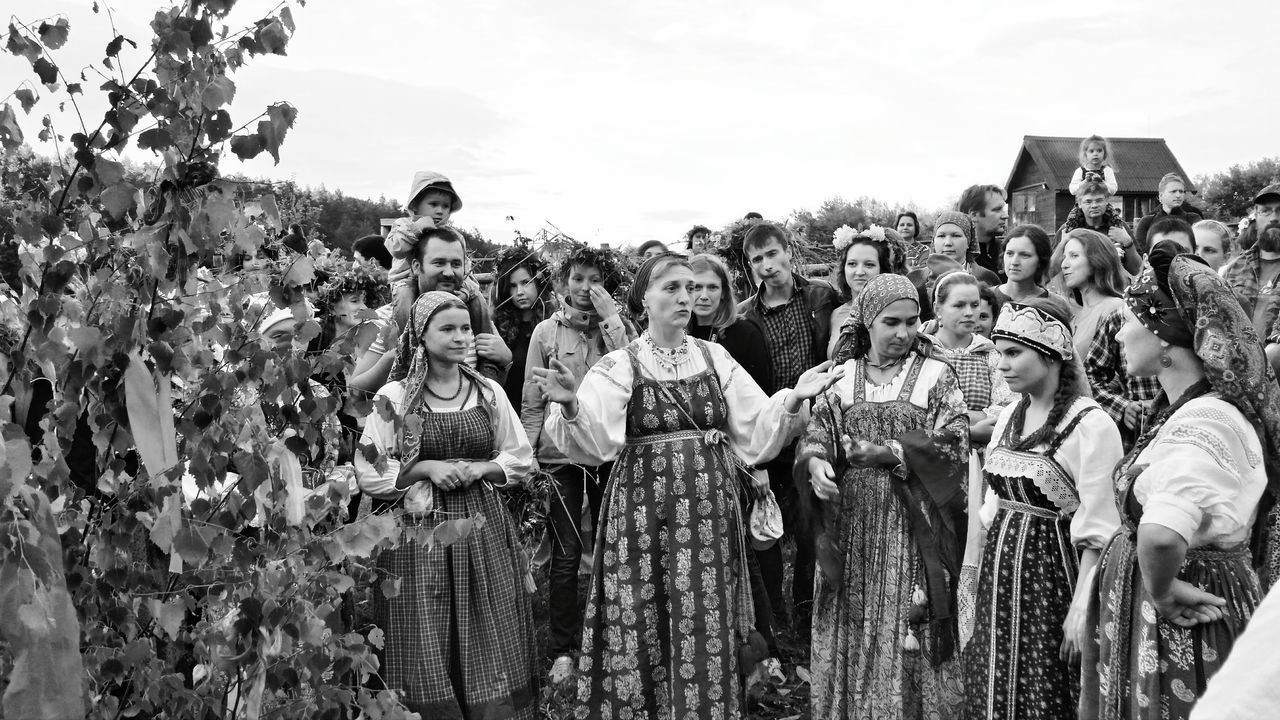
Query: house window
column 1024, row 207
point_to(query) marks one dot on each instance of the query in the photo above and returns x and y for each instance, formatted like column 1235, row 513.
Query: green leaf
column 220, row 91
column 20, row 45
column 108, row 172
column 246, row 147
column 27, row 97
column 114, row 47
column 272, row 37
column 218, row 126
column 54, row 36
column 169, row 615
column 156, row 448
column 453, row 531
column 358, row 539
column 302, row 271
column 47, row 71
column 10, row 132
column 157, row 139
column 39, row 628
column 119, row 199
column 169, row 522
column 191, row 545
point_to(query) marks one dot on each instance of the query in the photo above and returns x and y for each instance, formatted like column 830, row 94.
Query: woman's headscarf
column 1179, row 297
column 410, row 366
column 962, row 221
column 882, row 291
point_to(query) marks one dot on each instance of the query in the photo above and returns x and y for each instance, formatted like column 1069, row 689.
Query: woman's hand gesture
column 557, row 383
column 812, row 382
column 822, row 479
column 1186, row 605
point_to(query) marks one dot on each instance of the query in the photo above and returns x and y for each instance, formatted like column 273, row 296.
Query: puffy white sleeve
column 1091, row 455
column 597, row 433
column 759, row 425
column 1109, row 177
column 380, row 435
column 514, row 453
column 1077, row 179
column 1203, row 474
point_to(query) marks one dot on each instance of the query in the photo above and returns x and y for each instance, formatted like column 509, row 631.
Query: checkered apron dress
column 459, row 635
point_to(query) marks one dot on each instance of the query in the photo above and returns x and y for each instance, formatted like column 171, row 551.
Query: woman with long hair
column 1050, row 511
column 521, row 299
column 885, row 458
column 1177, row 583
column 1091, row 275
column 715, row 319
column 668, row 626
column 862, row 257
column 459, row 633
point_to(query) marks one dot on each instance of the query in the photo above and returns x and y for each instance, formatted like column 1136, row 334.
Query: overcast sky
column 620, row 122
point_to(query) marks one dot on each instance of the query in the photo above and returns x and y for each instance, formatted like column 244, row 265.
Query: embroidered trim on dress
column 1044, row 472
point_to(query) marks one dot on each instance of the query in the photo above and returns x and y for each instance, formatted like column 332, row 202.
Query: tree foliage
column 1229, row 194
column 172, row 542
column 818, row 227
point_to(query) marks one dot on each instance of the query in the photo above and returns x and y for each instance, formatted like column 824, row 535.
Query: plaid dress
column 459, row 634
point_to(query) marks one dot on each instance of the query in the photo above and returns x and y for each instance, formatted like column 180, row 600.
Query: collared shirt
column 1258, row 294
column 788, row 331
column 1113, row 388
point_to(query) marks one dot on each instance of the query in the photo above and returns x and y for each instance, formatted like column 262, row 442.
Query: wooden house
column 1038, row 185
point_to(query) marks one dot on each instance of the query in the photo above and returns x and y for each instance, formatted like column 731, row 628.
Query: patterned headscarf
column 965, row 223
column 410, row 366
column 1148, row 298
column 1234, row 362
column 882, row 291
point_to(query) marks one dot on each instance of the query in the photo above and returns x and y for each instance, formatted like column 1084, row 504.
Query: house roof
column 1139, row 162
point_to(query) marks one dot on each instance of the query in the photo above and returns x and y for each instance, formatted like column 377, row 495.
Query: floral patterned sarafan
column 669, row 604
column 862, row 663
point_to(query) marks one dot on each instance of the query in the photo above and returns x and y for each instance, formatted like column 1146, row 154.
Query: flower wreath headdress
column 844, row 236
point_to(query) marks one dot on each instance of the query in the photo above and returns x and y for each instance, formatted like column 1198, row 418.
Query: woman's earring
column 1165, row 360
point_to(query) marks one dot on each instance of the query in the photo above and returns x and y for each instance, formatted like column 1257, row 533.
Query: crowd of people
column 1010, row 473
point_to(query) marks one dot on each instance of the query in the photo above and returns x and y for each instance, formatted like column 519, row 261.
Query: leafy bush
column 172, row 530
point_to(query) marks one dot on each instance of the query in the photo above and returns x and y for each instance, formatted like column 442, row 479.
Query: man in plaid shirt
column 1125, row 398
column 795, row 313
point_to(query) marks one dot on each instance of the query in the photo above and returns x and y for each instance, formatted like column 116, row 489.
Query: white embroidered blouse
column 758, row 425
column 514, row 454
column 1203, row 474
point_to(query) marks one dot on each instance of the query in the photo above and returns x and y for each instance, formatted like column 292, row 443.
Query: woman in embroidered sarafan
column 459, row 634
column 668, row 626
column 1176, row 583
column 1049, row 468
column 885, row 454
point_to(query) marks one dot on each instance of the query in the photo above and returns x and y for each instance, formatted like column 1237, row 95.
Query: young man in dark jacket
column 795, row 313
column 1172, row 193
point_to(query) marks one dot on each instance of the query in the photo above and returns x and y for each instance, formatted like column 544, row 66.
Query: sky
column 621, row 122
